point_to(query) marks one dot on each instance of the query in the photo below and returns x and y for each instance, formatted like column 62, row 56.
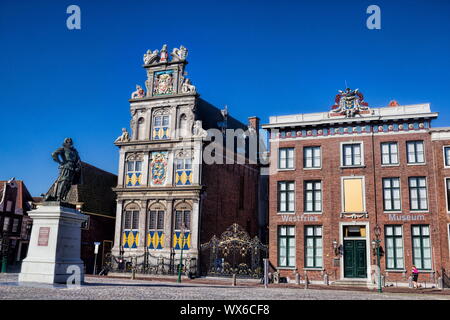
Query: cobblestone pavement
column 124, row 289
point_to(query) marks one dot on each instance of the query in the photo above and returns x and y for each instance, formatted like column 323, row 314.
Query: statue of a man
column 69, row 171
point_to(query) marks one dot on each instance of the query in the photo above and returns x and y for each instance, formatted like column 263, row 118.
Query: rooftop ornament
column 349, row 103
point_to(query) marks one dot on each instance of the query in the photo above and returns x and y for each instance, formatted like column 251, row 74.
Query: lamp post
column 180, row 266
column 4, row 250
column 376, row 244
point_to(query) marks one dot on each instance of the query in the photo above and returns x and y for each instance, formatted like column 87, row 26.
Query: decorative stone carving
column 163, row 83
column 179, row 54
column 124, row 137
column 349, row 103
column 151, row 57
column 198, row 130
column 163, row 54
column 139, row 93
column 187, row 87
column 158, row 167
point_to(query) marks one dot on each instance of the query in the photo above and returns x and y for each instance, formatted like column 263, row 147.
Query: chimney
column 253, row 122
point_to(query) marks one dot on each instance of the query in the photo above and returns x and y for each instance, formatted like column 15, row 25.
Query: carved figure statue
column 187, row 87
column 139, row 93
column 124, row 137
column 163, row 54
column 179, row 54
column 151, row 57
column 69, row 171
column 198, row 131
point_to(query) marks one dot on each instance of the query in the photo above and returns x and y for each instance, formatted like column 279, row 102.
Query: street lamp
column 376, row 244
column 180, row 266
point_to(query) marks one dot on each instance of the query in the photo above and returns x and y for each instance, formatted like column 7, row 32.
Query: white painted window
column 415, row 152
column 286, row 158
column 351, row 154
column 389, row 153
column 394, row 247
column 286, row 196
column 311, row 157
column 286, row 246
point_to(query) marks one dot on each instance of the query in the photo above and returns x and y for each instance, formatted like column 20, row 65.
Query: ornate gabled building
column 169, row 200
column 345, row 181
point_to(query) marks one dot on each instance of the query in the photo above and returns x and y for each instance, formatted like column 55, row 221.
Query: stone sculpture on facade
column 187, row 87
column 164, row 56
column 198, row 131
column 69, row 171
column 151, row 57
column 139, row 93
column 124, row 137
column 179, row 54
column 349, row 103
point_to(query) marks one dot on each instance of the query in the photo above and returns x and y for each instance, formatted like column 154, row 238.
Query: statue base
column 55, row 243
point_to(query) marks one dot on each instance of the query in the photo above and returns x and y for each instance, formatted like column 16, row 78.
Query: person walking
column 415, row 276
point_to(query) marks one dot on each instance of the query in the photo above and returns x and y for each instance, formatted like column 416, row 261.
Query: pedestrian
column 415, row 276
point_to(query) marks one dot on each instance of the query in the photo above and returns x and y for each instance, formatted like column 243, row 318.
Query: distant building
column 15, row 225
column 345, row 178
column 169, row 199
column 94, row 197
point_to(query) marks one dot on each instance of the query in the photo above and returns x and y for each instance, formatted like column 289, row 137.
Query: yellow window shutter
column 353, row 195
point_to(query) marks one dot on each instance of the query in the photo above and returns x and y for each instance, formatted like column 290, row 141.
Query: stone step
column 351, row 283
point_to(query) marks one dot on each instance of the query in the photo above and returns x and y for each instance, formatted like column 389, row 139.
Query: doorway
column 355, row 264
column 355, row 251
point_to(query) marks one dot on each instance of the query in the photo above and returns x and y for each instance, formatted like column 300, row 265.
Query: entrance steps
column 352, row 283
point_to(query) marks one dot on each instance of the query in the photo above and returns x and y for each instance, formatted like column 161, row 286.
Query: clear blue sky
column 259, row 57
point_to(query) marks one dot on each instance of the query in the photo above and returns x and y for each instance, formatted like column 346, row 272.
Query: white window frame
column 444, row 158
column 320, row 158
column 295, row 249
column 361, row 143
column 278, row 197
column 428, row 197
column 381, row 155
column 304, row 196
column 403, row 247
column 424, row 154
column 400, row 186
column 293, row 159
column 446, row 194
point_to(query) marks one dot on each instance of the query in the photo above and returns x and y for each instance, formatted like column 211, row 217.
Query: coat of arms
column 349, row 103
column 158, row 167
column 163, row 83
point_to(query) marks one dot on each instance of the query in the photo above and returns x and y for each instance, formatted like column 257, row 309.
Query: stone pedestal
column 54, row 245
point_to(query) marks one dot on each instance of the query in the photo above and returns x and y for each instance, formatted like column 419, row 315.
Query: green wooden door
column 355, row 259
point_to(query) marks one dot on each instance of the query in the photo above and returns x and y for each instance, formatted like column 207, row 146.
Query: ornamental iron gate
column 235, row 252
column 148, row 263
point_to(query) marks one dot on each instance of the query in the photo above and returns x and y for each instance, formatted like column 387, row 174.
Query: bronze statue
column 69, row 171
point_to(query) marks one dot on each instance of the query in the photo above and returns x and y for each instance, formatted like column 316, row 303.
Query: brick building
column 95, row 198
column 15, row 225
column 336, row 176
column 169, row 199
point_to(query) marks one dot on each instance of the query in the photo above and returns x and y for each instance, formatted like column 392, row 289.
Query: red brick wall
column 221, row 207
column 331, row 174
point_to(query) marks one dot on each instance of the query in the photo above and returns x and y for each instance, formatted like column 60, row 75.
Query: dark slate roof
column 95, row 191
column 211, row 116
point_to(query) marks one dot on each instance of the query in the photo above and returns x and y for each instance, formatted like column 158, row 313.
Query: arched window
column 131, row 219
column 130, row 235
column 182, row 226
column 161, row 125
column 182, row 217
column 133, row 168
column 155, row 235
